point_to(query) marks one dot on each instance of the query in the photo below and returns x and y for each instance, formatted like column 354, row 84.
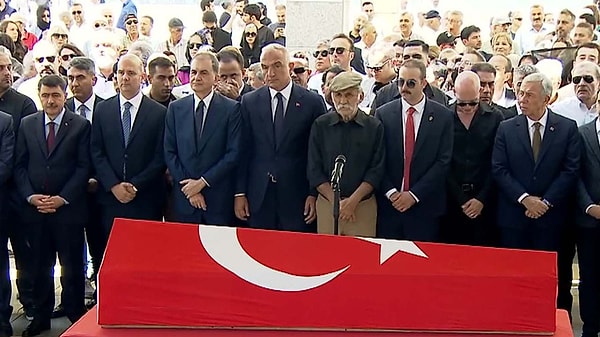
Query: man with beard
column 469, row 219
column 231, row 74
column 104, row 55
column 487, row 75
column 471, row 38
column 161, row 75
column 45, row 58
column 322, row 63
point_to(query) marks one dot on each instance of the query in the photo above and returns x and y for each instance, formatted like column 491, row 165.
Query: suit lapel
column 424, row 128
column 266, row 114
column 523, row 135
column 549, row 135
column 40, row 133
column 70, row 104
column 590, row 132
column 140, row 119
column 212, row 119
column 398, row 127
column 292, row 112
column 62, row 130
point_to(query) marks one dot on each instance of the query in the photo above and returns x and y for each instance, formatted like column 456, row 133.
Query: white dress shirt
column 576, row 110
column 178, row 49
column 206, row 101
column 136, row 101
column 527, row 38
column 531, row 129
column 89, row 104
column 417, row 116
column 286, row 93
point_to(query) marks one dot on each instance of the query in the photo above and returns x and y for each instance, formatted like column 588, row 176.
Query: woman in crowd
column 43, row 21
column 197, row 42
column 250, row 48
column 502, row 44
column 66, row 53
column 11, row 29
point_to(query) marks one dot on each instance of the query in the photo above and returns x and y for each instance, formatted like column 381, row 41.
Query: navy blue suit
column 553, row 178
column 277, row 203
column 214, row 158
column 7, row 145
column 141, row 163
column 428, row 172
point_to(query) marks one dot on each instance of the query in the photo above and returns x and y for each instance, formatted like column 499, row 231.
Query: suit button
column 534, row 178
column 47, row 167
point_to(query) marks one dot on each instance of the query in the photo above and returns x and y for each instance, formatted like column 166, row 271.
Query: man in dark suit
column 202, row 139
column 127, row 150
column 7, row 145
column 52, row 168
column 231, row 74
column 415, row 50
column 588, row 229
column 220, row 37
column 414, row 185
column 272, row 189
column 487, row 74
column 535, row 163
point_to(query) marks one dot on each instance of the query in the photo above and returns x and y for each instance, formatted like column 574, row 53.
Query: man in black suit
column 127, row 150
column 231, row 74
column 413, row 189
column 202, row 140
column 413, row 50
column 52, row 168
column 487, row 74
column 7, row 145
column 220, row 37
column 272, row 188
column 588, row 229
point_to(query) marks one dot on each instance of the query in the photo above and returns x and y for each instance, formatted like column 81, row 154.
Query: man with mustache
column 46, row 62
column 104, row 54
column 527, row 38
column 365, row 156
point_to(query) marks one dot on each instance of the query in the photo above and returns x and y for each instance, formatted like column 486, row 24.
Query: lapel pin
column 430, row 118
column 551, row 128
column 297, row 104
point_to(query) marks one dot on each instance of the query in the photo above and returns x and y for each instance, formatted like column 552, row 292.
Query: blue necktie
column 126, row 122
column 278, row 121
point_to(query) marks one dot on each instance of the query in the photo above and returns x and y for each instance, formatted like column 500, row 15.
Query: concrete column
column 309, row 21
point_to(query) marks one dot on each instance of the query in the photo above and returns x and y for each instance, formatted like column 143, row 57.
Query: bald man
column 470, row 180
column 127, row 150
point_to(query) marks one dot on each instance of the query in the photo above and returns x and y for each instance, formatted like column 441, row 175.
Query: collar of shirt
column 88, row 104
column 359, row 119
column 543, row 29
column 136, row 101
column 543, row 121
column 57, row 120
column 286, row 92
column 419, row 107
column 206, row 100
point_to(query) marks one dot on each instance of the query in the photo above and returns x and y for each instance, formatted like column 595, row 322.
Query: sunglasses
column 378, row 69
column 61, row 36
column 98, row 25
column 50, row 59
column 464, row 104
column 321, row 53
column 131, row 22
column 587, row 78
column 338, row 50
column 68, row 57
column 46, row 16
column 414, row 56
column 76, row 12
column 299, row 70
column 194, row 45
column 250, row 34
column 410, row 83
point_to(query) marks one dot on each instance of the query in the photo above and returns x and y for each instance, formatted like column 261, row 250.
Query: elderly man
column 585, row 52
column 519, row 74
column 103, row 52
column 322, row 63
column 586, row 76
column 365, row 157
column 470, row 209
column 45, row 58
column 406, row 27
column 528, row 37
column 553, row 70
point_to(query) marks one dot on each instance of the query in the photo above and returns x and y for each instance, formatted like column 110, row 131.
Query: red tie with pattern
column 409, row 146
column 51, row 137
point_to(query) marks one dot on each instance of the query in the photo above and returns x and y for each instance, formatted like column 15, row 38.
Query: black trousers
column 588, row 248
column 457, row 228
column 565, row 256
column 47, row 239
column 17, row 233
column 5, row 285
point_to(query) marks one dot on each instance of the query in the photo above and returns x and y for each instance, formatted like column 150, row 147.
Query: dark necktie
column 536, row 143
column 83, row 111
column 278, row 120
column 199, row 120
column 51, row 138
column 126, row 121
column 409, row 146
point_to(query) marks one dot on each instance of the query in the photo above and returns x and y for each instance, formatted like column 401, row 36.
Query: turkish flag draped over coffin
column 177, row 275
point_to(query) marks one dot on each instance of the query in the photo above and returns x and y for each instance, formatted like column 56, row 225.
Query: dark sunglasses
column 410, row 83
column 250, row 34
column 131, row 22
column 299, row 70
column 378, row 69
column 322, row 53
column 464, row 104
column 50, row 59
column 68, row 57
column 76, row 12
column 194, row 45
column 414, row 56
column 519, row 19
column 61, row 36
column 587, row 78
column 338, row 50
column 98, row 25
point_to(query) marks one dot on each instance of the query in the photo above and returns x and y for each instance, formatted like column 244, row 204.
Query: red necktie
column 51, row 137
column 409, row 146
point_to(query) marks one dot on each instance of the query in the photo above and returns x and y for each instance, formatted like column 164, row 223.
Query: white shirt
column 417, row 116
column 136, row 101
column 104, row 88
column 576, row 110
column 527, row 37
column 178, row 49
column 89, row 104
column 182, row 90
column 206, row 101
column 505, row 101
column 315, row 82
column 565, row 92
column 286, row 93
column 531, row 128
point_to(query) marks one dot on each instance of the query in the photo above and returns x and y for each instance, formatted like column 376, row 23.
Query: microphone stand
column 335, row 186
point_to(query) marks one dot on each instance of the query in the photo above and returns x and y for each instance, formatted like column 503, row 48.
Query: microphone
column 338, row 168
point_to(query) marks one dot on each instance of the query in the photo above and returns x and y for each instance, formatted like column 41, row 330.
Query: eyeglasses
column 321, row 53
column 131, row 22
column 464, row 104
column 299, row 70
column 67, row 57
column 76, row 12
column 413, row 56
column 98, row 25
column 61, row 36
column 378, row 69
column 50, row 59
column 587, row 78
column 250, row 34
column 409, row 83
column 194, row 45
column 338, row 50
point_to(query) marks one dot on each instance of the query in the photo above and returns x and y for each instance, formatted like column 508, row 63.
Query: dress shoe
column 90, row 304
column 59, row 312
column 35, row 328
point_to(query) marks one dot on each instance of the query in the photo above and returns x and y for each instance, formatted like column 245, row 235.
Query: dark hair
column 53, row 81
column 466, row 32
column 399, row 43
column 483, row 67
column 414, row 64
column 333, row 69
column 149, row 18
column 84, row 64
column 7, row 42
column 20, row 50
column 72, row 48
column 159, row 62
column 345, row 37
column 589, row 45
column 230, row 53
column 587, row 26
column 253, row 10
column 589, row 18
column 211, row 56
column 209, row 16
column 366, row 3
column 187, row 50
column 418, row 43
column 205, row 3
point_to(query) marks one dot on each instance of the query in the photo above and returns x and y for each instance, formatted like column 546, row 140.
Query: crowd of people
column 449, row 136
